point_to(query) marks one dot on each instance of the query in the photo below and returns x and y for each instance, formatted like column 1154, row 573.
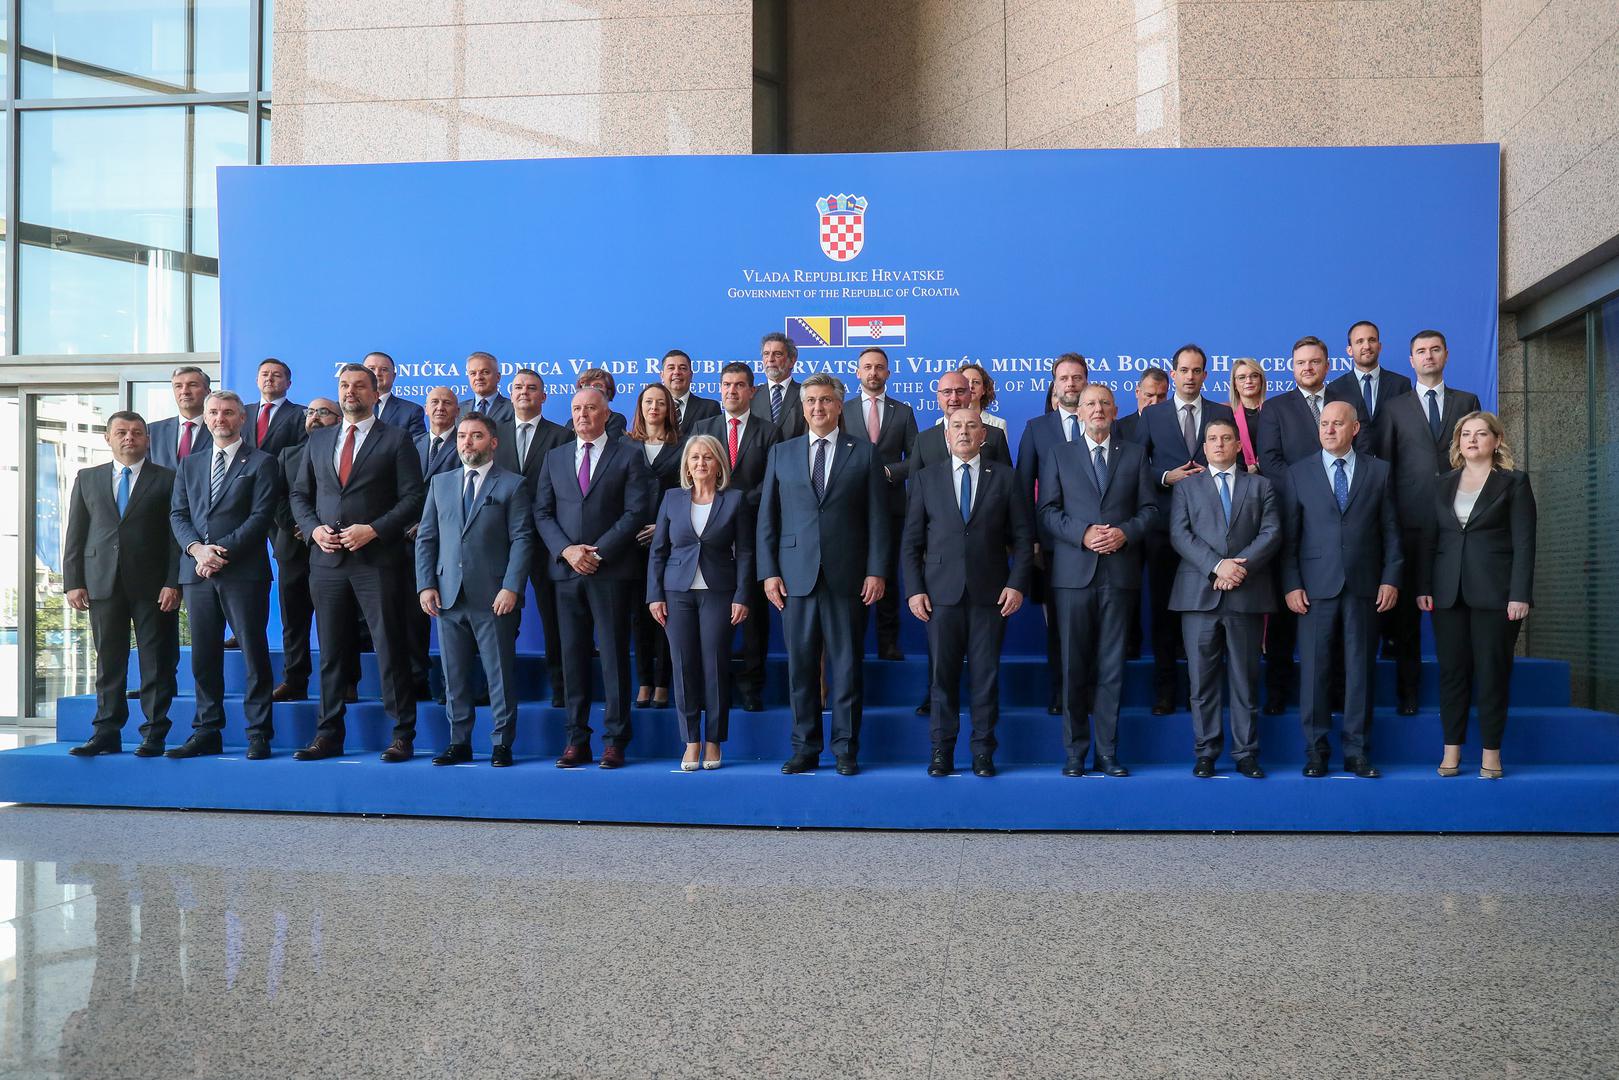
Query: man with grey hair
column 178, row 437
column 778, row 400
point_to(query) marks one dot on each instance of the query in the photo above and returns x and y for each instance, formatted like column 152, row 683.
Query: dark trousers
column 1353, row 619
column 1093, row 621
column 157, row 641
column 594, row 609
column 471, row 636
column 418, row 625
column 1281, row 639
column 699, row 637
column 830, row 621
column 750, row 677
column 344, row 595
column 545, row 598
column 651, row 643
column 1162, row 563
column 1223, row 647
column 970, row 634
column 1474, row 643
column 245, row 606
column 1053, row 649
column 297, row 609
column 1405, row 621
column 886, row 610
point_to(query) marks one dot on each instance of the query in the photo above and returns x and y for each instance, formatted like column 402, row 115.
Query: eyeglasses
column 319, row 411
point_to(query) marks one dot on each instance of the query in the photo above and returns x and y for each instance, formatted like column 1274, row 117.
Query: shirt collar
column 1091, row 444
column 364, row 426
column 1229, row 470
column 971, row 463
column 481, row 470
column 1308, row 394
column 230, row 451
column 878, row 398
column 1348, row 459
column 1375, row 373
column 1438, row 387
column 1196, row 403
column 579, row 442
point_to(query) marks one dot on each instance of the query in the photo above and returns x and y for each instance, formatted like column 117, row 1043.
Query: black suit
column 1349, row 387
column 960, row 562
column 239, row 594
column 165, row 440
column 616, row 426
column 756, row 438
column 1418, row 458
column 292, row 579
column 896, row 440
column 546, row 437
column 651, row 643
column 823, row 549
column 1473, row 571
column 385, row 491
column 1039, row 435
column 402, row 413
column 931, row 448
column 695, row 410
column 1339, row 558
column 596, row 607
column 790, row 418
column 286, row 427
column 1094, row 592
column 115, row 559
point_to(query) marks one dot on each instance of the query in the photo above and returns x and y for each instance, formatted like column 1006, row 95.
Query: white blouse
column 699, row 522
column 1465, row 501
column 652, row 450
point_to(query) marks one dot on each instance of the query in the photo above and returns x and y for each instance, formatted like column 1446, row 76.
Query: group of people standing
column 1296, row 518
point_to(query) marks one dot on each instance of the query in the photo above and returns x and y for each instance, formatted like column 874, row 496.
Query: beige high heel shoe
column 711, row 762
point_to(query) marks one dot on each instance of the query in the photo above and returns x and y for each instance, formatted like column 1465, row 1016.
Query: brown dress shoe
column 575, row 756
column 283, row 692
column 612, row 757
column 401, row 750
column 352, row 694
column 319, row 749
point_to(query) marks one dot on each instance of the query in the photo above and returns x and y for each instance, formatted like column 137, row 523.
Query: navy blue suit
column 445, row 460
column 165, row 441
column 546, row 436
column 239, row 594
column 500, row 407
column 1339, row 558
column 1348, row 387
column 596, row 607
column 402, row 413
column 286, row 427
column 699, row 620
column 823, row 550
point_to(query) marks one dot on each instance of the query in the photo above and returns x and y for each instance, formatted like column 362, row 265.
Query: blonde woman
column 1247, row 398
column 981, row 388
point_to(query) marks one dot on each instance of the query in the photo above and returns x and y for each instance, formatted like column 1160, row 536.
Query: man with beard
column 291, row 549
column 778, row 401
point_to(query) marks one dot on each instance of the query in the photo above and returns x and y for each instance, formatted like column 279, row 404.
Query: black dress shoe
column 1111, row 766
column 1053, row 710
column 258, row 749
column 924, row 709
column 1361, row 767
column 230, row 642
column 1272, row 708
column 752, row 703
column 1315, row 767
column 800, row 763
column 889, row 652
column 941, row 765
column 454, row 754
column 558, row 700
column 500, row 757
column 96, row 745
column 1250, row 768
column 983, row 765
column 399, row 750
column 1407, row 708
column 847, row 766
column 1203, row 768
column 319, row 750
column 150, row 748
column 1074, row 768
column 647, row 704
column 1163, row 707
column 352, row 693
column 132, row 695
column 197, row 746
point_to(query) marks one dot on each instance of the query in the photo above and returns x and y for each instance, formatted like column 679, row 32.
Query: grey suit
column 469, row 561
column 1223, row 630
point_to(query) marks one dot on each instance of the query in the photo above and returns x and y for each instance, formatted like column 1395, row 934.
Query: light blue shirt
column 1349, row 467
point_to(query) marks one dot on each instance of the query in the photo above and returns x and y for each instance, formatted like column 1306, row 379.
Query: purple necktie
column 584, row 472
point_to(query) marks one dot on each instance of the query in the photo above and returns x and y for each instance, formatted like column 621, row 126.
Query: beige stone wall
column 1551, row 98
column 405, row 80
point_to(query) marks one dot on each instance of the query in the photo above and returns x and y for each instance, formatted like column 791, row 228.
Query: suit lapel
column 1240, row 483
column 143, row 484
column 372, row 437
column 608, row 449
column 845, row 445
column 1488, row 495
column 985, row 471
column 485, row 489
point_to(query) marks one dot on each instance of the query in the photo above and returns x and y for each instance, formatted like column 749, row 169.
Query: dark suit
column 823, row 550
column 116, row 559
column 292, row 578
column 403, row 413
column 1039, row 435
column 790, row 418
column 699, row 620
column 1349, row 387
column 616, row 426
column 696, row 410
column 1223, row 629
column 384, row 491
column 1407, row 443
column 651, row 643
column 1094, row 592
column 896, row 440
column 932, row 447
column 756, row 438
column 546, row 437
column 469, row 561
column 1473, row 571
column 165, row 440
column 1339, row 558
column 596, row 606
column 961, row 564
column 286, row 427
column 239, row 594
column 499, row 407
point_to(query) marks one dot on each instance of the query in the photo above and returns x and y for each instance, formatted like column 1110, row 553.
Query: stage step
column 1024, row 679
column 1533, row 798
column 895, row 734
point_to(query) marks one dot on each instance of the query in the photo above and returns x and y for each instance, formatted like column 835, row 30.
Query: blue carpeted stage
column 1563, row 768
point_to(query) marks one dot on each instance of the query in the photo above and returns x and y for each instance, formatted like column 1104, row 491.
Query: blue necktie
column 818, row 474
column 1435, row 424
column 966, row 491
column 1099, row 463
column 1340, row 484
column 1225, row 494
column 775, row 404
column 1371, row 406
column 466, row 498
column 482, row 407
column 1073, row 428
column 123, row 490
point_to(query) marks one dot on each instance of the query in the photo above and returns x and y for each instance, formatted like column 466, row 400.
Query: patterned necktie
column 874, row 425
column 345, row 463
column 466, row 497
column 1315, row 407
column 482, row 408
column 1225, row 495
column 584, row 471
column 1099, row 463
column 775, row 404
column 264, row 420
column 1189, row 430
column 216, row 481
column 438, row 444
column 680, row 412
column 1340, row 484
column 1371, row 400
column 818, row 474
column 525, row 434
column 185, row 440
column 1435, row 424
column 735, row 425
column 966, row 491
column 123, row 490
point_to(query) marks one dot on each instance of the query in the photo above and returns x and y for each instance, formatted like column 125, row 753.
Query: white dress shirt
column 197, row 428
column 831, row 449
column 596, row 446
column 1319, row 397
column 134, row 476
column 974, row 470
column 361, row 430
column 1439, row 397
column 482, row 473
column 1360, row 384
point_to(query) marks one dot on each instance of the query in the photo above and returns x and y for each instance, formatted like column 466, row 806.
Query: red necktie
column 185, row 440
column 264, row 420
column 735, row 423
column 345, row 463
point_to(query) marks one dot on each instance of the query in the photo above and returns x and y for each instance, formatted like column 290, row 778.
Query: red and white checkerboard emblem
column 842, row 226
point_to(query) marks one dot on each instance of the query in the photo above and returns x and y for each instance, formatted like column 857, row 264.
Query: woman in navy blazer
column 656, row 435
column 699, row 575
column 1477, row 578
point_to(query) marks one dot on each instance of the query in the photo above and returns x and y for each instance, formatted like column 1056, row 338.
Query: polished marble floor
column 158, row 945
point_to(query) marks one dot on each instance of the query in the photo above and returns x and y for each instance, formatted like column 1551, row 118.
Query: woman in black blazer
column 656, row 434
column 698, row 579
column 1477, row 579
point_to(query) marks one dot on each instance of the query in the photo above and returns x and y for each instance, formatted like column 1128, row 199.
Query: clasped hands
column 210, row 559
column 348, row 538
column 1104, row 539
